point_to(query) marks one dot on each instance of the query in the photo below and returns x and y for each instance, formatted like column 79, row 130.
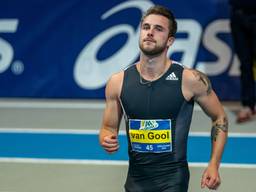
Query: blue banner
column 69, row 49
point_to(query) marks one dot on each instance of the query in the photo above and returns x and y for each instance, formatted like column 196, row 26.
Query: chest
column 161, row 99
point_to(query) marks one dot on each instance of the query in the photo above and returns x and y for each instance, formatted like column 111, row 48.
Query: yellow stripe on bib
column 150, row 136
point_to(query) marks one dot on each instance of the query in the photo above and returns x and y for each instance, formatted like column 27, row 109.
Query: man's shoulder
column 189, row 74
column 196, row 82
column 117, row 76
column 115, row 81
column 193, row 75
column 120, row 75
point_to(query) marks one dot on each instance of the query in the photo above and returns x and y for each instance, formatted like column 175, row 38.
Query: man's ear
column 170, row 41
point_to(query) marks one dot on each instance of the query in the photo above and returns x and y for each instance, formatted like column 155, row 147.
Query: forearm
column 219, row 134
column 110, row 123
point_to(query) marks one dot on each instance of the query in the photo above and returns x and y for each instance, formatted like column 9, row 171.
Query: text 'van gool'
column 151, row 135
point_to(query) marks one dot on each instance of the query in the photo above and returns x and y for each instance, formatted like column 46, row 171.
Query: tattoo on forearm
column 217, row 127
column 214, row 133
column 204, row 79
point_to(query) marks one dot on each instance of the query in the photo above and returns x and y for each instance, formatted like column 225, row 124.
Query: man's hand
column 211, row 178
column 110, row 143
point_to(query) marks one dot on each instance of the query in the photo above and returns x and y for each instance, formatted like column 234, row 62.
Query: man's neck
column 152, row 68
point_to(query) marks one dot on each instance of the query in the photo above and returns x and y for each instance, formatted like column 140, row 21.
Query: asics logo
column 92, row 73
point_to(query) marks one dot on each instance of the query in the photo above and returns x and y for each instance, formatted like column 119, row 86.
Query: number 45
column 149, row 147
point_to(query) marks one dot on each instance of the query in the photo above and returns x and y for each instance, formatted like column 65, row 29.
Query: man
column 243, row 28
column 156, row 96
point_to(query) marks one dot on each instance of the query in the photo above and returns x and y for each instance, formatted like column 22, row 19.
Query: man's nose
column 150, row 33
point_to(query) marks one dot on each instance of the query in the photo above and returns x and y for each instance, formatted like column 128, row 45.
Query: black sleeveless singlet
column 165, row 168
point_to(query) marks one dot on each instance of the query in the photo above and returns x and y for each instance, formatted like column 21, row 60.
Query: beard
column 152, row 51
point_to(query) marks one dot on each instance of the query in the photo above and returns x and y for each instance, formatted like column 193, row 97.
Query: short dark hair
column 161, row 10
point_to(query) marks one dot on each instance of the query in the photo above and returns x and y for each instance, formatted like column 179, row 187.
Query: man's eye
column 145, row 27
column 159, row 28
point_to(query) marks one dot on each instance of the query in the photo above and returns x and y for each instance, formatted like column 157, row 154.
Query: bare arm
column 112, row 115
column 201, row 91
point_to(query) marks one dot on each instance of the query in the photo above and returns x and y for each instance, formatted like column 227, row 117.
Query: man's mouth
column 149, row 40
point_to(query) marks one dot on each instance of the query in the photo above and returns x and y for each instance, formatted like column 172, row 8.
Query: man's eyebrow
column 159, row 26
column 145, row 24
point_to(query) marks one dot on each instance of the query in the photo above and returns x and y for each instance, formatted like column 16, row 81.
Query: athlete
column 156, row 96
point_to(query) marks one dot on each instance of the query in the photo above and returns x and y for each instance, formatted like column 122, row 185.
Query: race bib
column 154, row 136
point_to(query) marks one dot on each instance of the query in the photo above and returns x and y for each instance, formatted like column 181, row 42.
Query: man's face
column 154, row 33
